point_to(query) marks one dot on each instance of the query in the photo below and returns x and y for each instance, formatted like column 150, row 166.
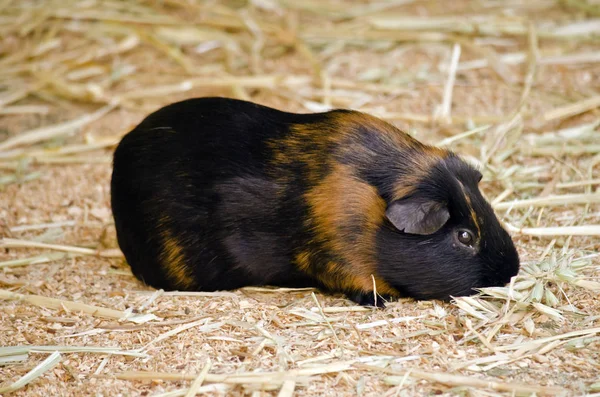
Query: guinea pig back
column 216, row 194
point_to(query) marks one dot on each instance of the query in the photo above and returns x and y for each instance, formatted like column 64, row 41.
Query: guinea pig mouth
column 495, row 282
column 457, row 291
column 444, row 295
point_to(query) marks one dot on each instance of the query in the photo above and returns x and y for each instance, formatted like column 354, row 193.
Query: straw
column 510, row 86
column 50, row 362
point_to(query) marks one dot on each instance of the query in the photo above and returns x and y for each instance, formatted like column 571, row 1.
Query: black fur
column 202, row 163
column 205, row 171
column 457, row 269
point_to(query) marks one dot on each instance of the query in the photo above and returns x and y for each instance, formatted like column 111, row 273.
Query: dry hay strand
column 511, row 85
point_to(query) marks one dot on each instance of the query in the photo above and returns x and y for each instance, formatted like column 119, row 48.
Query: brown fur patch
column 343, row 207
column 303, row 261
column 173, row 260
column 471, row 210
column 422, row 160
column 346, row 211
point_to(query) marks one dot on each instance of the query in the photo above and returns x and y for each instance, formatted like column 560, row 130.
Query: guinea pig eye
column 465, row 237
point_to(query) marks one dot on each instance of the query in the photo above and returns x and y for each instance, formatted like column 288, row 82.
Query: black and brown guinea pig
column 217, row 194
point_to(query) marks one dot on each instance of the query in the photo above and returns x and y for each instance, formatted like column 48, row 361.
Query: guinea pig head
column 443, row 239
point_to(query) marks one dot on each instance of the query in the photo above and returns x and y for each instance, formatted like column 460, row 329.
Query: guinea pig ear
column 415, row 215
column 479, row 176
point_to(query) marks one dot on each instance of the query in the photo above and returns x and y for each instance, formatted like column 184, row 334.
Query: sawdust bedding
column 520, row 98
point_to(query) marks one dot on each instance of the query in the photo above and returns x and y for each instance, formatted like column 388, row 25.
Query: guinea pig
column 217, row 194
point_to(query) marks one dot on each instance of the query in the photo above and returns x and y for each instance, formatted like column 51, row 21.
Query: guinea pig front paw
column 367, row 299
